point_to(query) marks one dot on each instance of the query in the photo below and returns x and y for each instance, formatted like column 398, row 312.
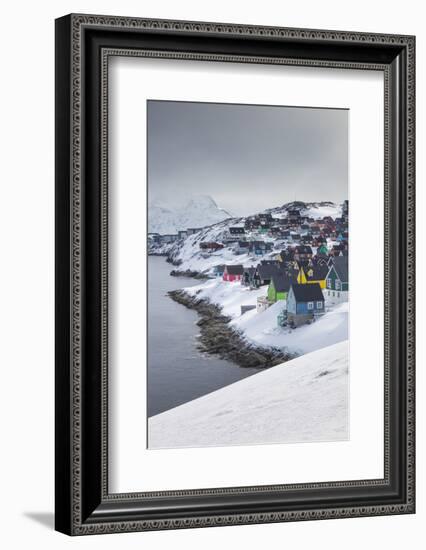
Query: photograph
column 248, row 274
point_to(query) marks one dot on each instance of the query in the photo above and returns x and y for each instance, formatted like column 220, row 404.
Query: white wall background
column 26, row 275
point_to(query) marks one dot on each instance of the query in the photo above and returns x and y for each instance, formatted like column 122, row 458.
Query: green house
column 322, row 249
column 337, row 277
column 278, row 287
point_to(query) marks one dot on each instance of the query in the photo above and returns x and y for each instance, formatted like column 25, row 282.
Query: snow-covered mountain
column 200, row 211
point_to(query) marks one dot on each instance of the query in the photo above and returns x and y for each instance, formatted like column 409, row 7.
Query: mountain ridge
column 200, row 211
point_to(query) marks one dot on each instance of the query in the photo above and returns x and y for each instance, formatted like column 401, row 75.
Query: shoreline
column 218, row 338
column 188, row 273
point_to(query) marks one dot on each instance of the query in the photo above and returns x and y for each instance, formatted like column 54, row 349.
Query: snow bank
column 303, row 400
column 228, row 296
column 317, row 212
column 262, row 329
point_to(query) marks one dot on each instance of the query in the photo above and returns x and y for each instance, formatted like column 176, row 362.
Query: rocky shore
column 187, row 273
column 218, row 338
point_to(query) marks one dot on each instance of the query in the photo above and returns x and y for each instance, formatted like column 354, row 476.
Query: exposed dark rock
column 188, row 273
column 218, row 338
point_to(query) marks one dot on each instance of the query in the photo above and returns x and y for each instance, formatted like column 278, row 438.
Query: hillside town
column 295, row 256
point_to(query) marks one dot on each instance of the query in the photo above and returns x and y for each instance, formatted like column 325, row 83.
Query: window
column 310, row 305
column 328, row 283
column 337, row 284
column 319, row 305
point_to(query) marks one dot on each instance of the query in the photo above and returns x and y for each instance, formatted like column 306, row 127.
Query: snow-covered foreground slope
column 303, row 400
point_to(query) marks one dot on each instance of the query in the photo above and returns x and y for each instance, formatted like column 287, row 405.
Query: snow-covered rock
column 200, row 211
column 314, row 210
column 303, row 400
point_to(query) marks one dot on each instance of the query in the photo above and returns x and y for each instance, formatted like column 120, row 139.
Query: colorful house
column 218, row 270
column 263, row 274
column 304, row 303
column 279, row 287
column 259, row 248
column 211, row 246
column 235, row 233
column 337, row 282
column 321, row 259
column 313, row 274
column 286, row 255
column 302, row 252
column 322, row 249
column 233, row 273
column 241, row 247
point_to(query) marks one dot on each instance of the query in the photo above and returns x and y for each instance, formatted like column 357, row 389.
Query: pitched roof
column 307, row 293
column 321, row 256
column 319, row 272
column 287, row 254
column 234, row 269
column 282, row 282
column 340, row 264
column 303, row 249
column 266, row 270
column 292, row 273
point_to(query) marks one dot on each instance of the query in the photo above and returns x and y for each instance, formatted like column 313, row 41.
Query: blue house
column 218, row 270
column 304, row 303
column 259, row 248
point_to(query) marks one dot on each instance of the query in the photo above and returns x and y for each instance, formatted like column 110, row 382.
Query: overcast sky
column 247, row 158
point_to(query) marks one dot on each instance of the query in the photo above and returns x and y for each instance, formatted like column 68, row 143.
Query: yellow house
column 314, row 274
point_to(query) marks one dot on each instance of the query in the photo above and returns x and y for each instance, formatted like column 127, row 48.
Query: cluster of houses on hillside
column 260, row 233
column 305, row 282
column 301, row 261
column 159, row 240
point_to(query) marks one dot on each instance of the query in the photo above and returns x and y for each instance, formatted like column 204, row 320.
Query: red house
column 233, row 273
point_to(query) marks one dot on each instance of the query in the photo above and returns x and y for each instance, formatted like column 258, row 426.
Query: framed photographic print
column 234, row 274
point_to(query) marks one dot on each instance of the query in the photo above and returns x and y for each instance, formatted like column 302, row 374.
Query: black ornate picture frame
column 84, row 43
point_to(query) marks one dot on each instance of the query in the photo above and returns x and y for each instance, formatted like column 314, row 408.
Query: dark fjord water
column 177, row 371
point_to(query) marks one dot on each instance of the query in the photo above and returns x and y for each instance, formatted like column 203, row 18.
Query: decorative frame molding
column 84, row 43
